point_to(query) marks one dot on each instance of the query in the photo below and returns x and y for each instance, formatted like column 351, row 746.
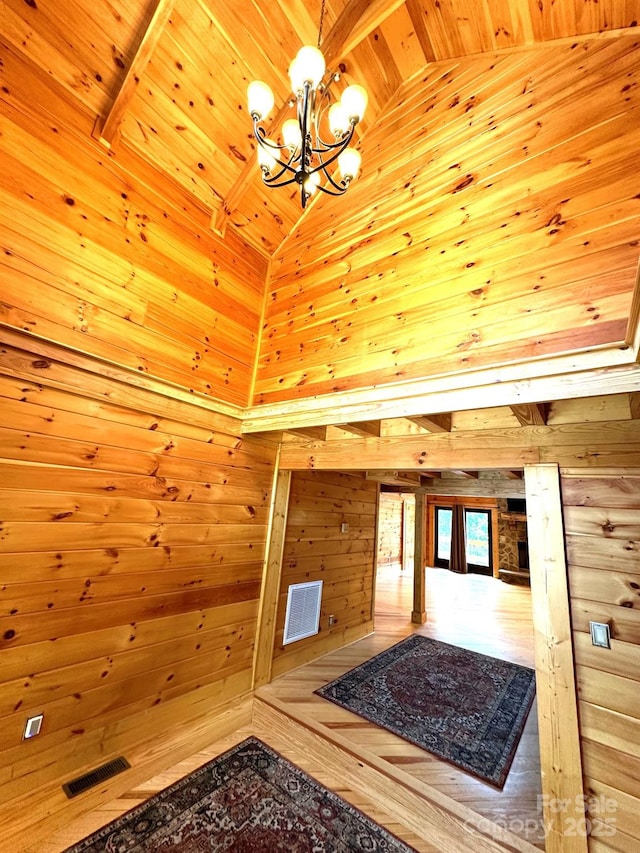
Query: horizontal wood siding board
column 107, row 232
column 126, row 587
column 315, row 548
column 600, row 511
column 521, row 158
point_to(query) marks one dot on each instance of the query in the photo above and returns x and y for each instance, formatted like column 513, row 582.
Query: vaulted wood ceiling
column 177, row 71
column 493, row 224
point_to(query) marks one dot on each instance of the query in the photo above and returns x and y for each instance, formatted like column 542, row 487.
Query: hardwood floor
column 476, row 612
column 428, row 803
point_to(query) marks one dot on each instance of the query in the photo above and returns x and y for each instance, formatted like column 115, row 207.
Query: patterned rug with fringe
column 464, row 707
column 248, row 800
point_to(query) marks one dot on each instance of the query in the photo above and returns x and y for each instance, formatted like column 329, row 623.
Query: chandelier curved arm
column 270, row 180
column 337, row 148
column 337, row 188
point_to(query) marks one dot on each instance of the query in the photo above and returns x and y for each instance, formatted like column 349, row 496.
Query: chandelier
column 315, row 151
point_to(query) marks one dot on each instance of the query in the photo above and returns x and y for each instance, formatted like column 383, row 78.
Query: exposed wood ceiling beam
column 315, row 433
column 513, row 449
column 395, row 478
column 434, row 423
column 363, row 428
column 418, row 19
column 531, row 414
column 634, row 405
column 513, row 475
column 107, row 131
column 486, row 488
column 468, row 475
column 358, row 19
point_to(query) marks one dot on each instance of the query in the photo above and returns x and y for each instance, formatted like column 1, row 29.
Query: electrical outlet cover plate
column 33, row 726
column 600, row 634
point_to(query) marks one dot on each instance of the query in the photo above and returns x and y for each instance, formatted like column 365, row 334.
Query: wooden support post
column 555, row 674
column 376, row 553
column 263, row 656
column 419, row 613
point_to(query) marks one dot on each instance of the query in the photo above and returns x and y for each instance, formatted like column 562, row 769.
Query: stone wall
column 512, row 528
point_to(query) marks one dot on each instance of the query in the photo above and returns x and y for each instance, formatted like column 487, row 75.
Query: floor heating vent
column 95, row 777
column 303, row 611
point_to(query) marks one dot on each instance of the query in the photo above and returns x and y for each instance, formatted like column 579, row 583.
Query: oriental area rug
column 464, row 707
column 248, row 800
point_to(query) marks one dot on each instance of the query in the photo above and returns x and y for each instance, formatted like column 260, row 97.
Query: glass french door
column 477, row 523
column 477, row 539
column 443, row 516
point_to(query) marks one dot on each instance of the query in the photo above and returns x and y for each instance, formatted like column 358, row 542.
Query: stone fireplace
column 513, row 547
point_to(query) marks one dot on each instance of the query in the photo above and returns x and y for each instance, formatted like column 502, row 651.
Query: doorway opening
column 475, row 610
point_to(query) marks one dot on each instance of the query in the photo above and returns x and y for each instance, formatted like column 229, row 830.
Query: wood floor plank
column 479, row 613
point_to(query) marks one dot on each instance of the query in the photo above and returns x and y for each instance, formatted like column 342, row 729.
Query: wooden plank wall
column 390, row 529
column 316, row 549
column 103, row 253
column 602, row 524
column 493, row 220
column 132, row 539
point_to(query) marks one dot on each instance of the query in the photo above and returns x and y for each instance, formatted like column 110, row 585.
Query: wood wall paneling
column 390, row 529
column 539, row 171
column 316, row 549
column 602, row 517
column 101, row 254
column 131, row 552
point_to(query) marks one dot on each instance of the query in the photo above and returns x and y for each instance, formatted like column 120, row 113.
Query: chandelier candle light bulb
column 305, row 156
column 307, row 67
column 260, row 99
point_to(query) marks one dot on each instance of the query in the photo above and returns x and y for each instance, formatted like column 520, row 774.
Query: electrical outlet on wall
column 33, row 726
column 332, row 620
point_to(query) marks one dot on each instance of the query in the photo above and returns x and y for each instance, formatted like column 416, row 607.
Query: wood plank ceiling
column 177, row 71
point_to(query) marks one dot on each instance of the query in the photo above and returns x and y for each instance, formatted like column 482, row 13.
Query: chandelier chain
column 321, row 23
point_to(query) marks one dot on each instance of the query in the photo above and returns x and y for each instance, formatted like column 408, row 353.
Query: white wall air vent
column 303, row 611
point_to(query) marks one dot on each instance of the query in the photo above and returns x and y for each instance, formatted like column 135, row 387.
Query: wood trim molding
column 582, row 375
column 272, row 571
column 92, row 364
column 555, row 673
